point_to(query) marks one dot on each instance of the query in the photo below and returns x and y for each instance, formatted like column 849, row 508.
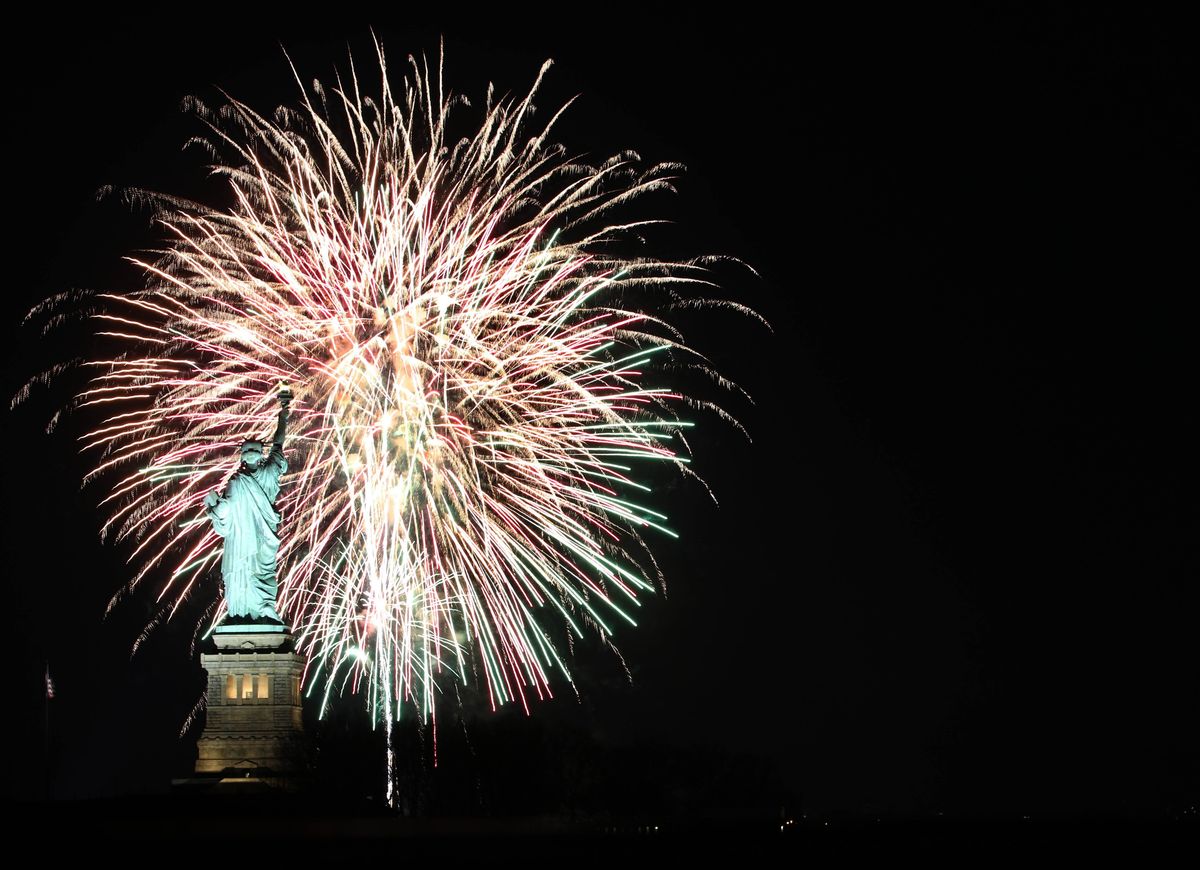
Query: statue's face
column 251, row 458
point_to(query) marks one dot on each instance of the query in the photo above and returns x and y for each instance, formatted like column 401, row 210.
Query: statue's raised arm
column 285, row 401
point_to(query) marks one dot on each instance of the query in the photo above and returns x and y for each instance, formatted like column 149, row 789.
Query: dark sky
column 955, row 569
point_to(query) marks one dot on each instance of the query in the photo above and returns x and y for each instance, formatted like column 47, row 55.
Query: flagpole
column 46, row 733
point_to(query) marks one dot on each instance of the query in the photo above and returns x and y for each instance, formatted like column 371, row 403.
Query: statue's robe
column 246, row 518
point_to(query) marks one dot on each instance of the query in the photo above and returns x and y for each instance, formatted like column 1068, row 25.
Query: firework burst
column 475, row 390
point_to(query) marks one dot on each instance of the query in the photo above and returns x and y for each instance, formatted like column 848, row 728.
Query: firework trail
column 475, row 388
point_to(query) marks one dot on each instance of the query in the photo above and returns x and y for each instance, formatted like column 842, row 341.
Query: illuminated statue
column 245, row 516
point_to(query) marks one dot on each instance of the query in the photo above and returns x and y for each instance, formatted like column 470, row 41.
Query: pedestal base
column 254, row 723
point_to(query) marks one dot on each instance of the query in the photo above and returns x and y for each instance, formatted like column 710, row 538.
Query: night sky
column 953, row 572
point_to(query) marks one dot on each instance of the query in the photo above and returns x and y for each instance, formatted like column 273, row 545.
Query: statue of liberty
column 245, row 516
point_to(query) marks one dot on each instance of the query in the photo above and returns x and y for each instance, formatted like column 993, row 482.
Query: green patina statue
column 245, row 516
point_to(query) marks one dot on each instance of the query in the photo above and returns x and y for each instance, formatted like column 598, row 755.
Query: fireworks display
column 479, row 381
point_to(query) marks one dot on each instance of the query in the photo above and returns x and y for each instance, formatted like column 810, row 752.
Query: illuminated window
column 247, row 686
column 231, row 687
column 263, row 686
column 295, row 690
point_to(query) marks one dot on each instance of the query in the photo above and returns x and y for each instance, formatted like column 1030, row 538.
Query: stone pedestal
column 254, row 723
